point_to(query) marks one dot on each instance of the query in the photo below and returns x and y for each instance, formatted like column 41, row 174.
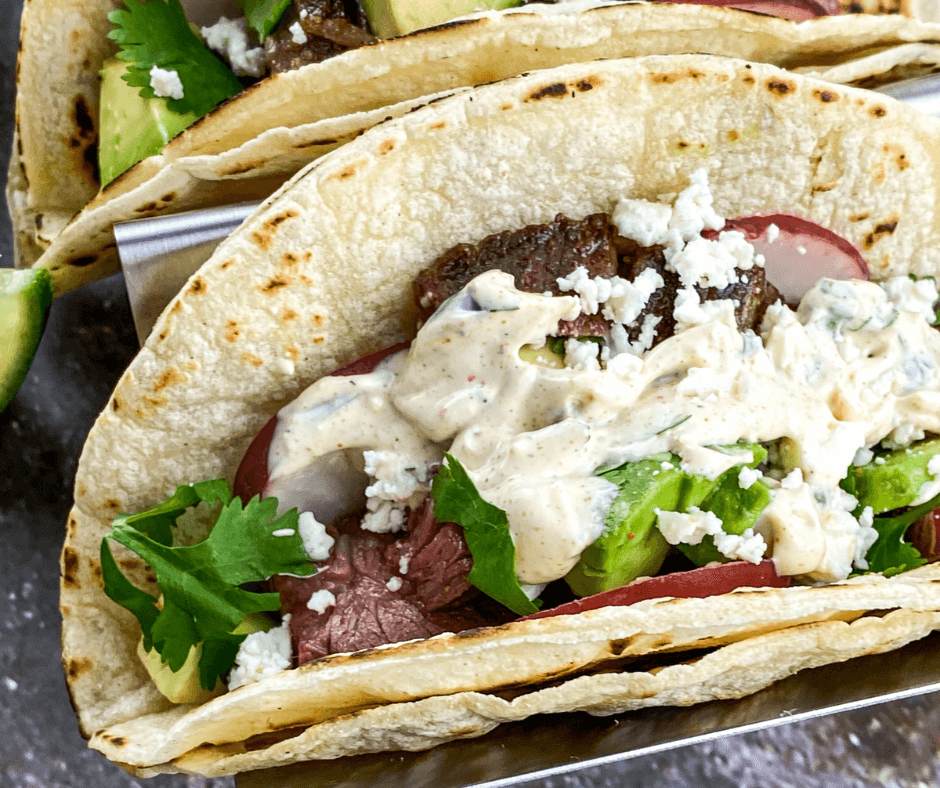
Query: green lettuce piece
column 486, row 529
column 890, row 554
column 203, row 601
column 156, row 33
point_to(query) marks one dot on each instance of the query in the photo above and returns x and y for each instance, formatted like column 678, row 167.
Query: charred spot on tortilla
column 779, row 87
column 439, row 125
column 555, row 90
column 85, row 260
column 273, row 284
column 452, row 25
column 315, row 143
column 878, row 111
column 288, row 315
column 150, row 206
column 113, row 503
column 75, row 667
column 70, row 567
column 386, row 147
column 170, row 377
column 346, row 173
column 880, row 231
column 232, row 331
column 252, row 359
column 859, row 217
column 198, row 286
column 241, row 169
column 826, row 96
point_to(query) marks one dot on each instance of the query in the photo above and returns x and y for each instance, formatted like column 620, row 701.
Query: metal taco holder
column 158, row 255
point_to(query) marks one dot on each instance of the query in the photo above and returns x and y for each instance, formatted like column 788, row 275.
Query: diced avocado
column 131, row 127
column 893, row 479
column 544, row 356
column 390, row 18
column 25, row 296
column 738, row 510
column 631, row 546
column 182, row 686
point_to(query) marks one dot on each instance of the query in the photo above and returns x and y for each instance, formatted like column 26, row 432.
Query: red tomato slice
column 702, row 582
column 802, row 253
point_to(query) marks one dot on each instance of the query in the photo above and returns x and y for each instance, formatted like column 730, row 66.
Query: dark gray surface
column 87, row 343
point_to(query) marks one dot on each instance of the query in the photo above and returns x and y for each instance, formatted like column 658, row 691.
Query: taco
column 265, row 134
column 323, row 274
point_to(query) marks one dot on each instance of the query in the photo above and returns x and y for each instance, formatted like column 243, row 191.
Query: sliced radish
column 702, row 582
column 800, row 254
column 795, row 10
column 924, row 534
column 252, row 475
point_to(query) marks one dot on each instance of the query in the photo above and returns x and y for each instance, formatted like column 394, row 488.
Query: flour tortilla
column 64, row 43
column 321, row 275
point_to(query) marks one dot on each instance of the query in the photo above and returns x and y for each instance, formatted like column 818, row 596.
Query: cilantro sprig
column 486, row 529
column 156, row 33
column 890, row 554
column 203, row 601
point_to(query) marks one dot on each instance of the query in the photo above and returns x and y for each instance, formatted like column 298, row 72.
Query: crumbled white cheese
column 647, row 223
column 581, row 355
column 262, row 654
column 933, row 465
column 747, row 477
column 283, row 532
column 792, row 480
column 297, row 34
column 394, row 583
column 863, row 456
column 229, row 38
column 403, row 563
column 866, row 537
column 628, row 299
column 910, row 295
column 383, row 517
column 773, row 233
column 166, row 83
column 693, row 526
column 320, row 600
column 317, row 542
column 397, row 477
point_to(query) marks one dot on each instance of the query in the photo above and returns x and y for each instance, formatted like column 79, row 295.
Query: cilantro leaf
column 486, row 530
column 156, row 33
column 263, row 15
column 890, row 554
column 202, row 598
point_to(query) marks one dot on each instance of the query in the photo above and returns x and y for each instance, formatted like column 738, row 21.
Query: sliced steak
column 434, row 596
column 536, row 256
column 330, row 28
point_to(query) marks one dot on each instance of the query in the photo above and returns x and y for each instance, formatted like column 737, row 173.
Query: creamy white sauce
column 837, row 376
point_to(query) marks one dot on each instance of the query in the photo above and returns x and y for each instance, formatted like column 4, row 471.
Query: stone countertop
column 88, row 342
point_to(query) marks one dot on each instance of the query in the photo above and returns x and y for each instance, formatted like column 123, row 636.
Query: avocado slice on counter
column 894, row 479
column 132, row 127
column 25, row 296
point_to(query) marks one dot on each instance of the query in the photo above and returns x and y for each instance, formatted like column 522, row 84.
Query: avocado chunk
column 183, row 686
column 737, row 508
column 25, row 297
column 390, row 18
column 631, row 545
column 894, row 479
column 131, row 127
